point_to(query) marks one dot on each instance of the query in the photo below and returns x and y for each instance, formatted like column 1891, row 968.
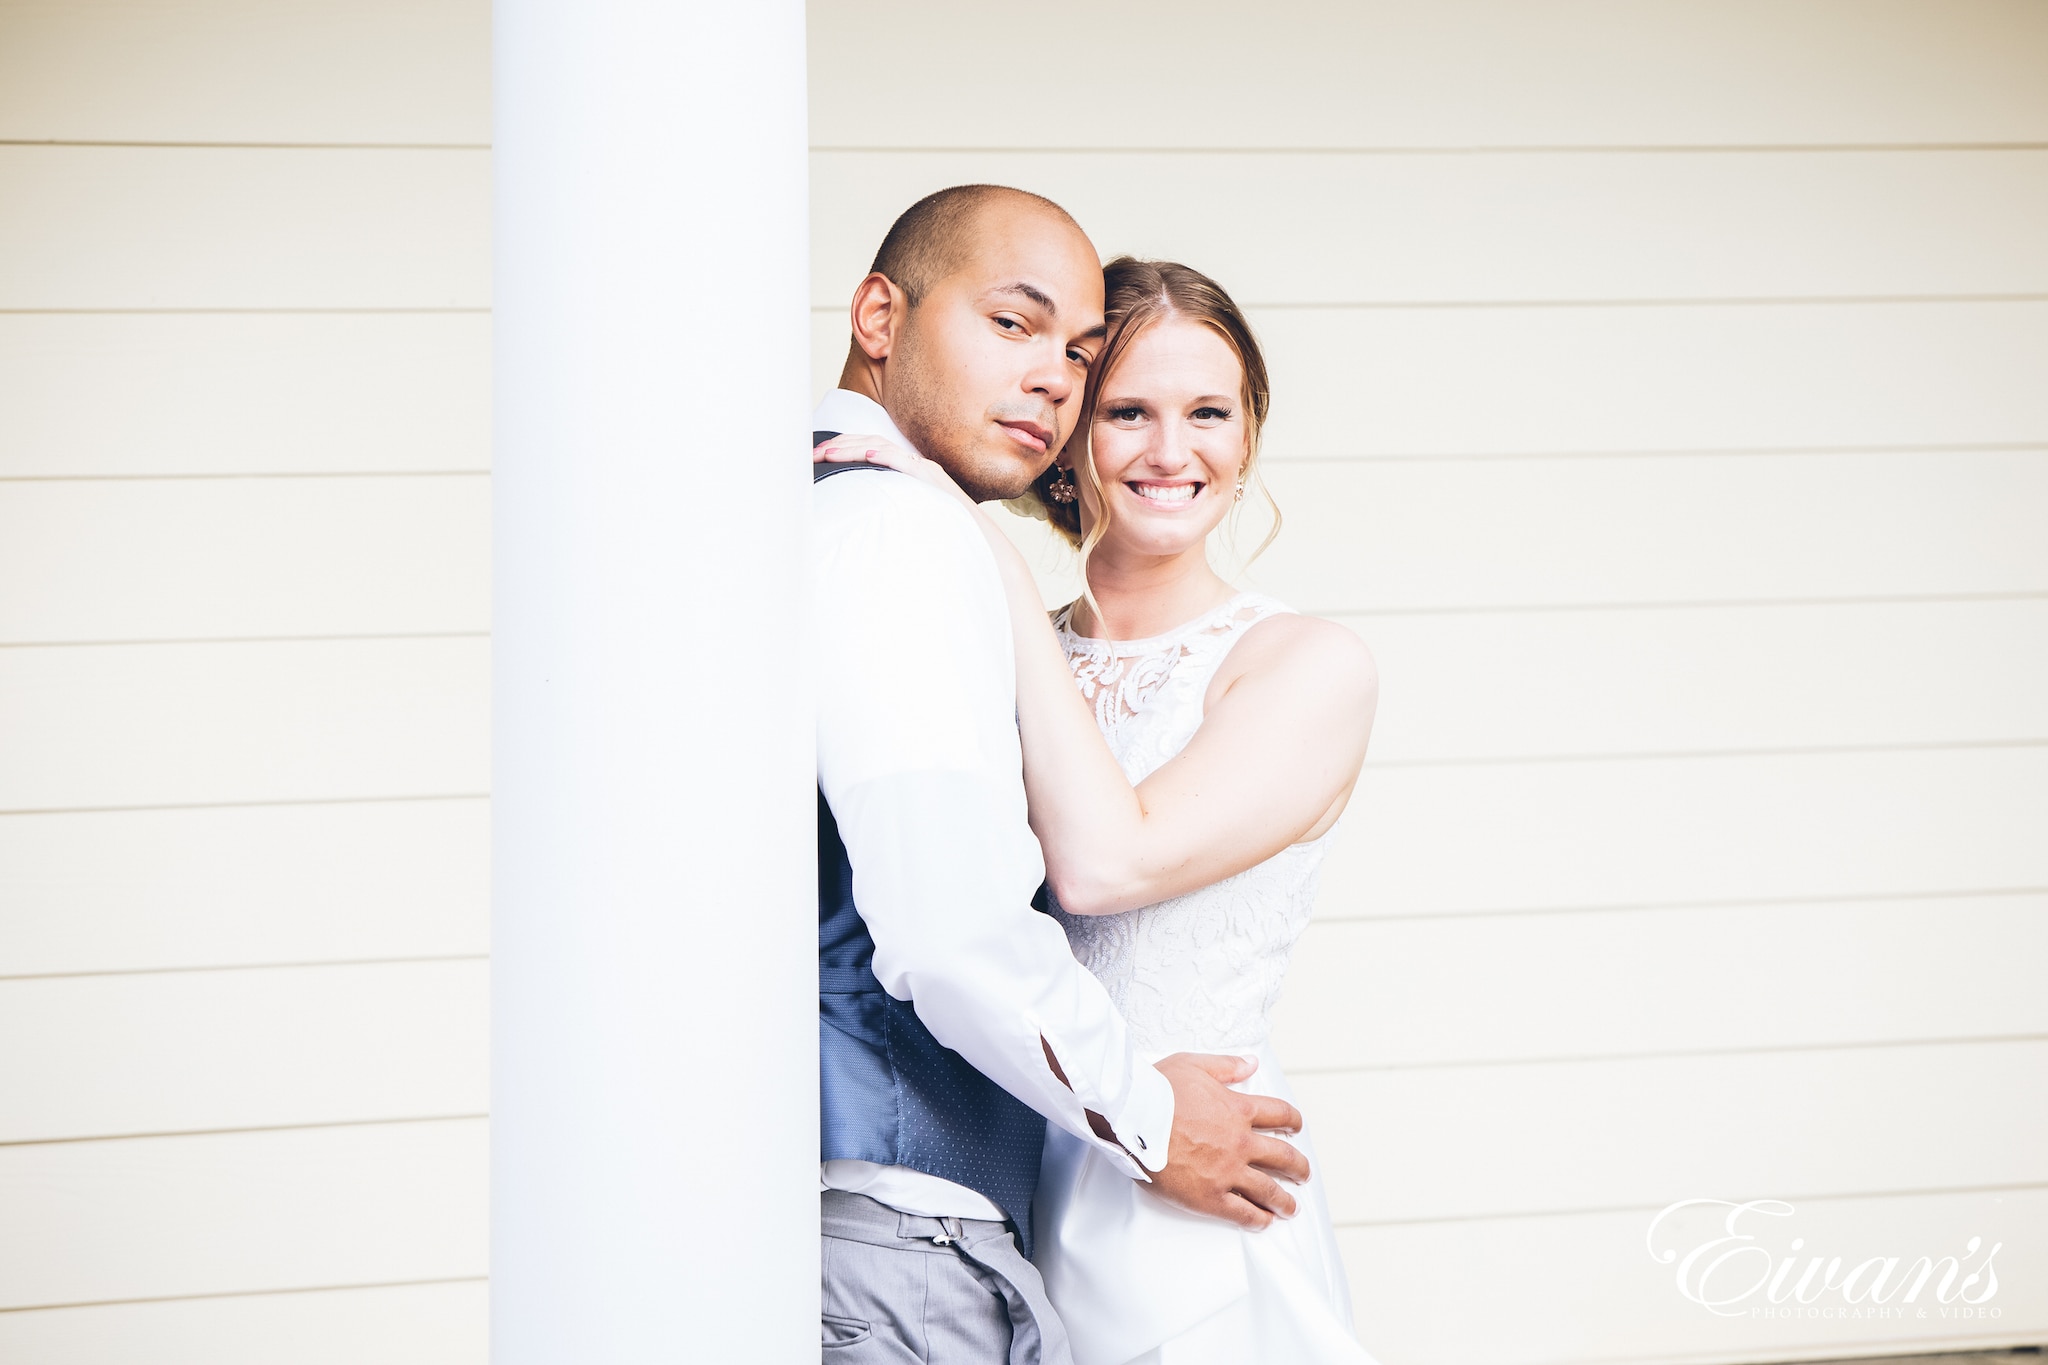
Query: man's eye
column 1010, row 323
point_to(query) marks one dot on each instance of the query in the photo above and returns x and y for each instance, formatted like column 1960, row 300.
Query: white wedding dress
column 1136, row 1280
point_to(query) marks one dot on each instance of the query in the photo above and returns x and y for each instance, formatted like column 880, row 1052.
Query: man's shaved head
column 975, row 330
column 936, row 235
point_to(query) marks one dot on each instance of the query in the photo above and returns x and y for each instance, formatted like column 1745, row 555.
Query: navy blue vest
column 888, row 1091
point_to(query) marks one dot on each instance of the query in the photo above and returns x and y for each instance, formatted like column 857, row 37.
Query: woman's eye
column 1126, row 414
column 1212, row 414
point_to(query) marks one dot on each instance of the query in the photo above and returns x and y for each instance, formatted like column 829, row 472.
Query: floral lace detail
column 1201, row 971
column 1147, row 694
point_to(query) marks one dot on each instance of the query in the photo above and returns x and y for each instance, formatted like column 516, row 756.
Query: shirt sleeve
column 919, row 759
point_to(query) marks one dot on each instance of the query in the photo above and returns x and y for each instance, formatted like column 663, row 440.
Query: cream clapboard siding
column 244, row 342
column 1682, row 466
column 1659, row 391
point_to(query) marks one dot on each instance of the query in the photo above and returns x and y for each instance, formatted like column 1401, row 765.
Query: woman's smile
column 1170, row 497
column 1169, row 431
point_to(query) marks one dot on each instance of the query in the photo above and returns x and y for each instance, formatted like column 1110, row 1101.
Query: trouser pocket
column 838, row 1331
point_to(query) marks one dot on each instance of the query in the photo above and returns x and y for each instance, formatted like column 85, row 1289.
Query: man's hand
column 1218, row 1163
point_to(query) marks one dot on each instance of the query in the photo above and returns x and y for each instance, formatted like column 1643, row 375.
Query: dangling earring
column 1062, row 488
column 1239, row 495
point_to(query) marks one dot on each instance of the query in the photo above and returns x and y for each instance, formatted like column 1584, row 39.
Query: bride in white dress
column 1182, row 855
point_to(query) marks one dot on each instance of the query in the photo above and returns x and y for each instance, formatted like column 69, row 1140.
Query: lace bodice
column 1199, row 972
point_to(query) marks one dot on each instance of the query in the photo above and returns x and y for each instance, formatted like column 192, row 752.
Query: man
column 953, row 1019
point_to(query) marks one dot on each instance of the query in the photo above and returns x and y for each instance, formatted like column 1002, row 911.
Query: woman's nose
column 1171, row 452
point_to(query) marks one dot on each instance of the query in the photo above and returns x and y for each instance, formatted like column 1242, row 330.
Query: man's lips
column 1029, row 434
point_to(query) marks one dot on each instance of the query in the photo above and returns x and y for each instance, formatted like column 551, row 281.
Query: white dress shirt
column 919, row 758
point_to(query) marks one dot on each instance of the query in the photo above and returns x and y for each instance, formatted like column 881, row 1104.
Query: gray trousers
column 900, row 1288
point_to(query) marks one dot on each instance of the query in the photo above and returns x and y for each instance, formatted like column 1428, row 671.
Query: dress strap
column 1238, row 616
column 1250, row 608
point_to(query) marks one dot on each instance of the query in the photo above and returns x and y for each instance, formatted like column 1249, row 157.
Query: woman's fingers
column 864, row 449
column 839, row 451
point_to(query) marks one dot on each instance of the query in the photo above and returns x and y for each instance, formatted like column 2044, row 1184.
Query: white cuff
column 1145, row 1127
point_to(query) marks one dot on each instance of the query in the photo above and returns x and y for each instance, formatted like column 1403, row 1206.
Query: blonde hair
column 1136, row 295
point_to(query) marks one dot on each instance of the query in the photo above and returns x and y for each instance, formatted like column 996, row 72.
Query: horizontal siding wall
column 1354, row 382
column 245, row 884
column 215, row 228
column 244, row 1212
column 238, row 558
column 1581, row 1287
column 1658, row 392
column 165, row 1052
column 1468, row 75
column 1738, row 979
column 167, row 395
column 1503, row 226
column 440, row 1323
column 244, row 671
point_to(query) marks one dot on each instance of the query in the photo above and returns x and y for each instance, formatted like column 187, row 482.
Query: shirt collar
column 847, row 411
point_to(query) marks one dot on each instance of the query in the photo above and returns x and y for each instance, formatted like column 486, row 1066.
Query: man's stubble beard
column 918, row 408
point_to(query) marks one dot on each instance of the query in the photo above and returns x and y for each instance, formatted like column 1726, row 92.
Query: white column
column 654, row 1074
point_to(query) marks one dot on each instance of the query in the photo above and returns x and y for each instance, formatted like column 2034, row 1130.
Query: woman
column 1182, row 854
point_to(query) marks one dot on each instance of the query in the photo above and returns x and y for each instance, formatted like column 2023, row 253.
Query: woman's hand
column 845, row 449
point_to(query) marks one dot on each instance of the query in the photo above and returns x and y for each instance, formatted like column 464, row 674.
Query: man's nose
column 1051, row 375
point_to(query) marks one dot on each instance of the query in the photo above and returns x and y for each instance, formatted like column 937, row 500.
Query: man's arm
column 918, row 757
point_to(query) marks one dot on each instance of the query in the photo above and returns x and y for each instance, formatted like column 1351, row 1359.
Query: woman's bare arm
column 1280, row 746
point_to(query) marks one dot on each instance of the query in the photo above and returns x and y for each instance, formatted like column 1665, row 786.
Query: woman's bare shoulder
column 1307, row 656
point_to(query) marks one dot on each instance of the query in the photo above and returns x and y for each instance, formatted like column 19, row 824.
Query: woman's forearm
column 1089, row 820
column 1275, row 757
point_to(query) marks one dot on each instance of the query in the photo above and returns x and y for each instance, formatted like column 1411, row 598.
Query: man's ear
column 879, row 308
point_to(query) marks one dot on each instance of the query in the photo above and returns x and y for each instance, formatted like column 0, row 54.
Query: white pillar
column 655, row 1085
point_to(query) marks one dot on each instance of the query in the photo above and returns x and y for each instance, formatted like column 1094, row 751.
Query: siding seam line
column 1705, row 604
column 1684, row 755
column 247, row 805
column 1653, row 1208
column 273, row 474
column 277, row 311
column 1447, row 149
column 1667, row 1055
column 1559, row 304
column 176, row 1133
column 1738, row 452
column 306, row 965
column 250, row 146
column 1739, row 903
column 246, row 639
column 247, row 1293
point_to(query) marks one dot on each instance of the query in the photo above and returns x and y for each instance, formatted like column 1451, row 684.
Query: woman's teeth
column 1166, row 492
